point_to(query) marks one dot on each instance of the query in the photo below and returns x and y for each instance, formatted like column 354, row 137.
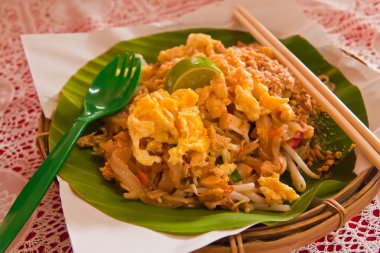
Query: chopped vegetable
column 235, row 175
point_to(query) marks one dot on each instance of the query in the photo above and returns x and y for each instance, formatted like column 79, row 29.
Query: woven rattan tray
column 322, row 217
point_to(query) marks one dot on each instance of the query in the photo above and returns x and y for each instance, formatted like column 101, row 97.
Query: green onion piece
column 235, row 175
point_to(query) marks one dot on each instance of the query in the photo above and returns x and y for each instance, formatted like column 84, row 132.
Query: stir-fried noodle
column 223, row 145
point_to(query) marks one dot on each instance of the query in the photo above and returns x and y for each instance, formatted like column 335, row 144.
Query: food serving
column 216, row 127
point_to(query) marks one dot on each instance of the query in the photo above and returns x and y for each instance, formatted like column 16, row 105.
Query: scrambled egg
column 267, row 101
column 193, row 138
column 276, row 192
column 172, row 119
column 195, row 44
column 214, row 96
column 245, row 102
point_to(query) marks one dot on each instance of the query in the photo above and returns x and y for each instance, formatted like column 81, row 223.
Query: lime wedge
column 194, row 72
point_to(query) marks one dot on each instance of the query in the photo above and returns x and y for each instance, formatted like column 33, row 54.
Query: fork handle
column 35, row 189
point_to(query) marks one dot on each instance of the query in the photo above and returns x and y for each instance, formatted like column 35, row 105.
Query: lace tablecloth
column 353, row 25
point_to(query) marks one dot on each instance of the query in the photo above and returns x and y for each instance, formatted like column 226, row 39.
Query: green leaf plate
column 81, row 169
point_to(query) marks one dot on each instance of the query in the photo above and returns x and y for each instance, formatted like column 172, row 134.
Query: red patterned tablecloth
column 353, row 25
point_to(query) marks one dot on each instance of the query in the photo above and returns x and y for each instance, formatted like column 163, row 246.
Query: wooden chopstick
column 351, row 125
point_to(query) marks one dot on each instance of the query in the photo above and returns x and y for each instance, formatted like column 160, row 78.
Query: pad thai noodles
column 224, row 145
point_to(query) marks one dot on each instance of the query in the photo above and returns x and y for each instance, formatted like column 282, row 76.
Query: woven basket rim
column 289, row 235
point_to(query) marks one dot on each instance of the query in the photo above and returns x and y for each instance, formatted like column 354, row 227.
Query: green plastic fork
column 108, row 94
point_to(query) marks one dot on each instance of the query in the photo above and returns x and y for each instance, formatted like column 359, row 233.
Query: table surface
column 353, row 25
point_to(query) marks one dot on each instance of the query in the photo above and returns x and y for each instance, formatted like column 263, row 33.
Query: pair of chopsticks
column 236, row 243
column 365, row 140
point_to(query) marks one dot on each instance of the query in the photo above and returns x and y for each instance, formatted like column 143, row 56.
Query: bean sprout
column 299, row 161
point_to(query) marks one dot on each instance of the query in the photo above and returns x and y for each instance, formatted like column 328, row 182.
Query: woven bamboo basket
column 322, row 217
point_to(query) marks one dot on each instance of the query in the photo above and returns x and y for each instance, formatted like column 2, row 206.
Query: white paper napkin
column 53, row 58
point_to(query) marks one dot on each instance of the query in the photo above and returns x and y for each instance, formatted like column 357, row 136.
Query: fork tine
column 123, row 67
column 136, row 74
column 135, row 79
column 130, row 67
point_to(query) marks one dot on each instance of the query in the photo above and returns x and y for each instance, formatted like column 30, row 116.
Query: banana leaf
column 81, row 169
